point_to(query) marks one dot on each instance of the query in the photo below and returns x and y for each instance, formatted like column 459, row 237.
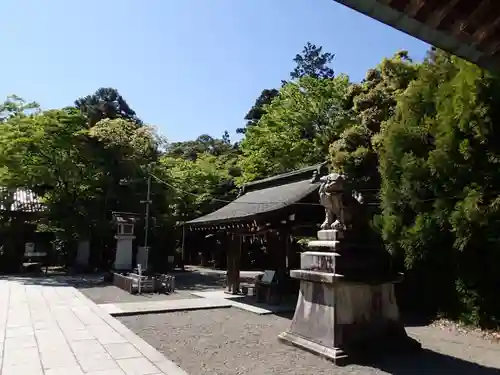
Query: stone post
column 123, row 256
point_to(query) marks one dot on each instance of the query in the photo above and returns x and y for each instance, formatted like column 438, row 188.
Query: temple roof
column 467, row 28
column 265, row 196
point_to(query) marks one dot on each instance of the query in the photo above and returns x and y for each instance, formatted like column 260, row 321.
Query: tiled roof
column 275, row 193
column 21, row 200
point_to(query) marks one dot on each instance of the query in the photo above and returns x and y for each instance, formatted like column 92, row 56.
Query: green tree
column 258, row 109
column 75, row 170
column 43, row 152
column 106, row 103
column 313, row 62
column 440, row 188
column 199, row 186
column 16, row 106
column 297, row 127
column 205, row 143
column 373, row 101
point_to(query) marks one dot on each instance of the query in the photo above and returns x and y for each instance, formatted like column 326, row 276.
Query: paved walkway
column 136, row 308
column 245, row 303
column 214, row 299
column 55, row 330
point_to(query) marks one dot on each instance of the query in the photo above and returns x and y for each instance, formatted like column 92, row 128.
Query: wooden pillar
column 237, row 243
column 281, row 253
column 226, row 243
column 277, row 246
column 233, row 263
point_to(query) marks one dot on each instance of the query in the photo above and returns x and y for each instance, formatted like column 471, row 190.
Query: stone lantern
column 125, row 223
column 346, row 304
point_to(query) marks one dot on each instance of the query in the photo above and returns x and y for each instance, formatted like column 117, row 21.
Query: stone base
column 336, row 318
column 333, row 354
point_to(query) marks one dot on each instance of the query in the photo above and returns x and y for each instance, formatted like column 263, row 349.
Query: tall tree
column 75, row 170
column 16, row 106
column 373, row 102
column 313, row 62
column 190, row 150
column 258, row 109
column 106, row 103
column 440, row 156
column 297, row 127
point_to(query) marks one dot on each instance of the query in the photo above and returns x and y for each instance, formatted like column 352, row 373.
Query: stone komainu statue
column 341, row 207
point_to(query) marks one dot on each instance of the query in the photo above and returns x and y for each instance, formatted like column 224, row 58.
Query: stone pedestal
column 123, row 256
column 143, row 257
column 83, row 253
column 341, row 313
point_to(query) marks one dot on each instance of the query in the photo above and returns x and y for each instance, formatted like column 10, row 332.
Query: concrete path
column 244, row 303
column 55, row 330
column 137, row 308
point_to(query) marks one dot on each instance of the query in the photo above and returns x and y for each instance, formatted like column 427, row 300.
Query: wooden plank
column 413, row 7
column 438, row 17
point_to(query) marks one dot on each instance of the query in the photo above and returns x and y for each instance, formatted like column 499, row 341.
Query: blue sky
column 186, row 66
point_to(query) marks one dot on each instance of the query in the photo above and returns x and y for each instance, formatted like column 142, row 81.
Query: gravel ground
column 111, row 294
column 231, row 341
column 100, row 292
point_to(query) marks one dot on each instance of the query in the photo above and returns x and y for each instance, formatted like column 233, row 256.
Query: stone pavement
column 243, row 302
column 150, row 307
column 55, row 330
column 212, row 299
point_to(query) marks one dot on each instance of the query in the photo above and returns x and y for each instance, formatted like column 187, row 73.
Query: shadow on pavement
column 197, row 282
column 429, row 362
column 80, row 281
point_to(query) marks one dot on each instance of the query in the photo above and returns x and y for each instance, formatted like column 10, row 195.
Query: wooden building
column 274, row 210
column 467, row 28
column 20, row 241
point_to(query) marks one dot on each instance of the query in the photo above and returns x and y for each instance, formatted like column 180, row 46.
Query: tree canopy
column 420, row 137
column 297, row 127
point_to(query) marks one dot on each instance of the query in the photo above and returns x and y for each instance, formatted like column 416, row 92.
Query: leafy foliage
column 373, row 101
column 313, row 62
column 105, row 103
column 46, row 152
column 258, row 109
column 297, row 127
column 440, row 193
column 16, row 106
column 190, row 150
column 201, row 185
column 423, row 136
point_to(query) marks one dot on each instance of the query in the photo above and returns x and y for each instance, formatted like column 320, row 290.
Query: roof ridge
column 283, row 176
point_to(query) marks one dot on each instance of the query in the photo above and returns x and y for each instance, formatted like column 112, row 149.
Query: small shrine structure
column 272, row 210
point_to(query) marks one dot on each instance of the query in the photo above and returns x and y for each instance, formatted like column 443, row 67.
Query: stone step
column 321, row 243
column 329, row 235
column 318, row 261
